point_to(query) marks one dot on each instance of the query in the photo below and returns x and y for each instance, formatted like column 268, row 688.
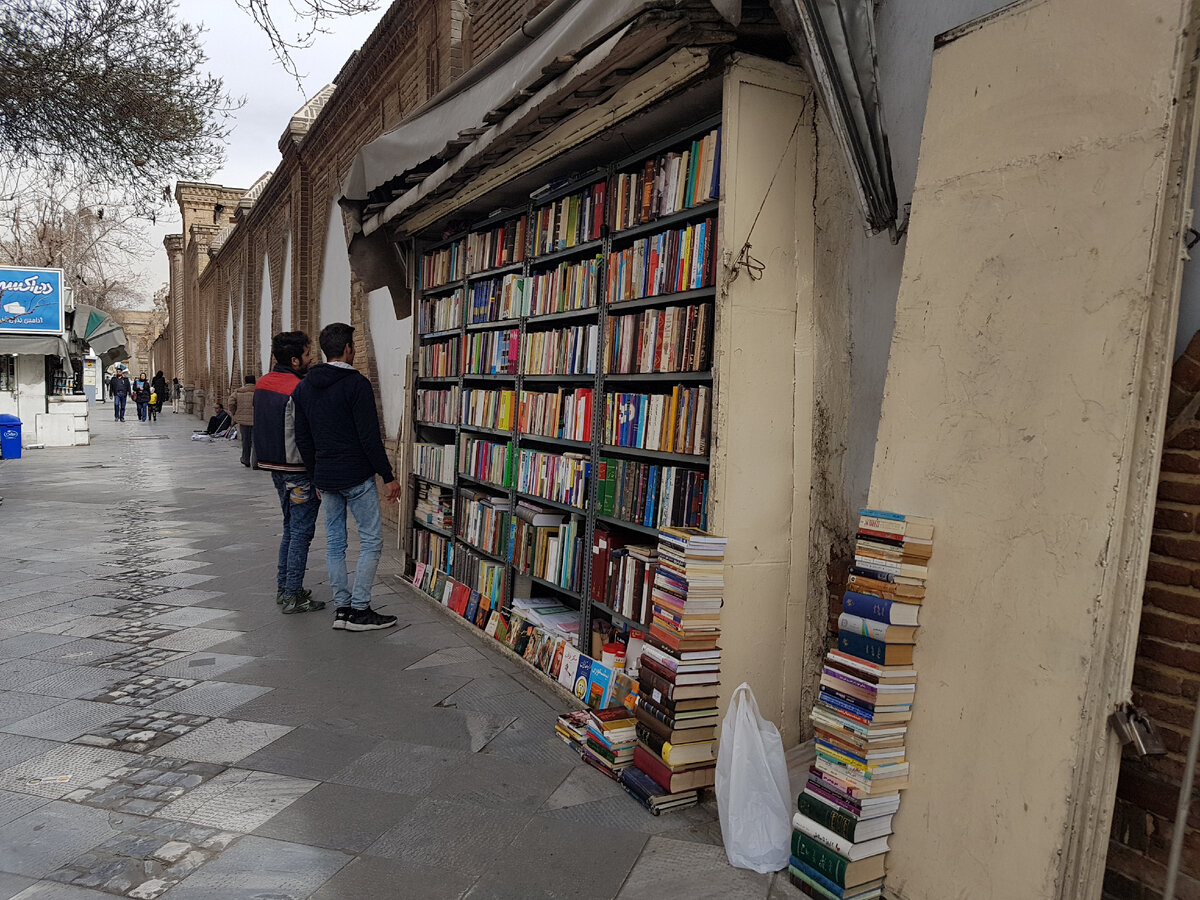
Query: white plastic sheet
column 753, row 796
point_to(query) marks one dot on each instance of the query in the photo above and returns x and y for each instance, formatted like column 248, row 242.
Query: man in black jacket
column 119, row 388
column 337, row 433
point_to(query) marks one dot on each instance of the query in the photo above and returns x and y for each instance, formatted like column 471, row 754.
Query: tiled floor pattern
column 164, row 732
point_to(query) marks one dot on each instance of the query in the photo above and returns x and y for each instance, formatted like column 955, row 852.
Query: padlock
column 1135, row 728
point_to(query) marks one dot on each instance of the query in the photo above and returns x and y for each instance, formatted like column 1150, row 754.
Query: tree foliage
column 114, row 90
column 100, row 245
column 311, row 16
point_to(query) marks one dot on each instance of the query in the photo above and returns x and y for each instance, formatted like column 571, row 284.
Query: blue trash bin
column 10, row 436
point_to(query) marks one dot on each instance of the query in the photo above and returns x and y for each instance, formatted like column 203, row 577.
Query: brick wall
column 1166, row 675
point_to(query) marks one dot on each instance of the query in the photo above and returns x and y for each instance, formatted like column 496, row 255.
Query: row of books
column 479, row 573
column 439, row 405
column 652, row 495
column 497, row 246
column 562, row 351
column 677, row 422
column 622, row 575
column 436, row 551
column 564, row 413
column 570, row 221
column 434, row 506
column 489, row 461
column 668, row 183
column 434, row 461
column 488, row 408
column 680, row 259
column 443, row 266
column 547, row 544
column 492, row 352
column 494, row 299
column 568, row 286
column 438, row 360
column 483, row 520
column 674, row 339
column 560, row 477
column 860, row 720
column 440, row 313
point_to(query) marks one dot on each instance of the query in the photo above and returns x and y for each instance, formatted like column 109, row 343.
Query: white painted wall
column 229, row 341
column 264, row 318
column 334, row 302
column 285, row 289
column 392, row 344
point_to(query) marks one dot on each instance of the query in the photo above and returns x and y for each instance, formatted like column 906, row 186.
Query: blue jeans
column 119, row 406
column 363, row 502
column 141, row 408
column 300, row 504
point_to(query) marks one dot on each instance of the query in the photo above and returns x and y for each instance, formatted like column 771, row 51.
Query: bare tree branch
column 313, row 17
column 115, row 89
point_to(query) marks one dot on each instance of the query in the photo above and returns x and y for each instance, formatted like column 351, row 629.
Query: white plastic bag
column 753, row 796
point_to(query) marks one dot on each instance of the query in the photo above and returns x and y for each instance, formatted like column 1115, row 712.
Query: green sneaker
column 280, row 597
column 301, row 602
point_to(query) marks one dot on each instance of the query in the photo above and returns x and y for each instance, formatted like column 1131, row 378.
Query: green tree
column 111, row 90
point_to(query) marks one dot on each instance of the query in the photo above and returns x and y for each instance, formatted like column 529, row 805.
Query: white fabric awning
column 34, row 345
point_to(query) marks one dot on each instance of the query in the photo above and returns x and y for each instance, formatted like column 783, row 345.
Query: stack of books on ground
column 862, row 713
column 679, row 669
column 646, row 791
column 610, row 740
column 572, row 727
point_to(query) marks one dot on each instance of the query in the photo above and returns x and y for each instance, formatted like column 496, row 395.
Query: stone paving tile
column 40, row 775
column 202, row 665
column 238, row 799
column 82, row 652
column 145, row 786
column 143, row 731
column 138, row 611
column 377, row 878
column 212, row 698
column 310, row 752
column 338, row 817
column 46, row 616
column 12, row 886
column 77, row 683
column 259, row 868
column 13, row 805
column 141, row 691
column 82, row 627
column 120, row 591
column 225, row 741
column 582, row 786
column 137, row 659
column 138, row 632
column 189, row 616
column 146, row 859
column 501, row 783
column 403, row 768
column 18, row 705
column 195, row 639
column 449, row 835
column 40, row 841
column 676, row 868
column 16, row 748
column 449, row 657
column 188, row 596
column 29, row 643
column 67, row 720
column 182, row 579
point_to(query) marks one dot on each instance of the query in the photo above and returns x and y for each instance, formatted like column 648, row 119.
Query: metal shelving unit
column 598, row 381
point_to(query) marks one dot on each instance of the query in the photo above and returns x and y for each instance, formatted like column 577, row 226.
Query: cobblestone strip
column 143, row 691
column 142, row 732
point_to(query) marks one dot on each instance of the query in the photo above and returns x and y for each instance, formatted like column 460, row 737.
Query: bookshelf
column 563, row 356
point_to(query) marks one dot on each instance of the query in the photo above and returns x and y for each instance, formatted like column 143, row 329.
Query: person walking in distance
column 337, row 433
column 141, row 395
column 119, row 388
column 160, row 386
column 241, row 407
column 275, row 448
column 176, row 394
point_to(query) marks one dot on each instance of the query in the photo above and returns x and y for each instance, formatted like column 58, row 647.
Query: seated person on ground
column 219, row 421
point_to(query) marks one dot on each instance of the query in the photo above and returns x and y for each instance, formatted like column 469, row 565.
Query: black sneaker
column 368, row 620
column 301, row 602
column 339, row 618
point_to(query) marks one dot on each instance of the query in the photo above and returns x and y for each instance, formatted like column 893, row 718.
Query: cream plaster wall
column 285, row 288
column 764, row 355
column 391, row 342
column 266, row 361
column 1023, row 411
column 335, row 275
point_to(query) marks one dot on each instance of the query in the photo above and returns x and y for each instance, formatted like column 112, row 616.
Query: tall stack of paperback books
column 844, row 816
column 680, row 671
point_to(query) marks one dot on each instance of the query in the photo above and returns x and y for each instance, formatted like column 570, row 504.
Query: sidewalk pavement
column 165, row 732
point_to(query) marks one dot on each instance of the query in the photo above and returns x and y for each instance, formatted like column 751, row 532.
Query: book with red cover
column 672, row 780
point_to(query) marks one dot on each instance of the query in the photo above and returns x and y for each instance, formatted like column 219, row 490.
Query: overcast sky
column 240, row 53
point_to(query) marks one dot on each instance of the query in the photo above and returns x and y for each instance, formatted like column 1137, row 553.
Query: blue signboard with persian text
column 31, row 301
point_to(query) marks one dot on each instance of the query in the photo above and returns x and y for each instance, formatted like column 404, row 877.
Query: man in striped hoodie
column 275, row 446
